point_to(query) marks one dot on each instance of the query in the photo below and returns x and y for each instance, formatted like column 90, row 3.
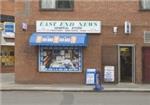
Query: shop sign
column 7, row 18
column 68, row 26
column 56, row 39
column 109, row 73
column 9, row 27
column 9, row 30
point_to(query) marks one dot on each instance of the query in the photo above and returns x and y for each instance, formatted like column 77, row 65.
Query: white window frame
column 143, row 4
column 54, row 5
column 47, row 7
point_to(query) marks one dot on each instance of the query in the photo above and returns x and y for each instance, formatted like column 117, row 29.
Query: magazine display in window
column 60, row 59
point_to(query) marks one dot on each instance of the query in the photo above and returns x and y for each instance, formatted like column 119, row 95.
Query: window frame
column 56, row 8
column 141, row 6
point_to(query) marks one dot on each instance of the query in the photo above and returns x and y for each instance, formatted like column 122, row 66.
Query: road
column 74, row 98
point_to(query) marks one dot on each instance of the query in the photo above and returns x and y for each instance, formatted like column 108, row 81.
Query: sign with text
column 68, row 26
column 9, row 27
column 9, row 30
column 109, row 73
column 56, row 39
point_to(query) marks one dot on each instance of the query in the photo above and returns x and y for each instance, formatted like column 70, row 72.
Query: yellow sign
column 124, row 49
column 1, row 26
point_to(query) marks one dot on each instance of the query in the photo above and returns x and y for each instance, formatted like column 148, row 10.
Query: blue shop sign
column 9, row 27
column 58, row 39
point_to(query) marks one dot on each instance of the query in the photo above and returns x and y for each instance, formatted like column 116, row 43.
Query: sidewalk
column 8, row 84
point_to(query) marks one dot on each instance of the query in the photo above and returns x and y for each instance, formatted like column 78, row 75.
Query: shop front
column 56, row 52
column 59, row 52
column 61, row 44
column 7, row 43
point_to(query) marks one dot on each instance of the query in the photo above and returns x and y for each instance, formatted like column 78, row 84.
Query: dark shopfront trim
column 6, row 18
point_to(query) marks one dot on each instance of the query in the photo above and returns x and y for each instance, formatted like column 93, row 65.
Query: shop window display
column 60, row 59
column 7, row 56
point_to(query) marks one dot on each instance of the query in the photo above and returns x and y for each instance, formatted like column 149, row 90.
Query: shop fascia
column 68, row 26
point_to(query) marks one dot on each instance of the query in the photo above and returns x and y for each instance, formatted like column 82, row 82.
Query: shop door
column 126, row 63
column 146, row 65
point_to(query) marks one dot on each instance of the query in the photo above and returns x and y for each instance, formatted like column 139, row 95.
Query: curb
column 51, row 90
column 126, row 90
column 79, row 90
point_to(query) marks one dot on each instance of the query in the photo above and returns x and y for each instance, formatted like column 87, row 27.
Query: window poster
column 109, row 72
column 60, row 59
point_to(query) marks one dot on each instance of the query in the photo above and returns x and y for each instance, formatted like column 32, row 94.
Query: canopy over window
column 56, row 39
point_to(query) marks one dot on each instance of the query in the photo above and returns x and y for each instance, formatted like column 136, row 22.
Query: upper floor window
column 56, row 4
column 145, row 4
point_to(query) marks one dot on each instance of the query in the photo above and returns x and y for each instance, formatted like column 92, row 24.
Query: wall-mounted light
column 24, row 26
column 115, row 30
column 127, row 27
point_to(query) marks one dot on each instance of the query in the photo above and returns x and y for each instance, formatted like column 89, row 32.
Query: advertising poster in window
column 109, row 73
column 60, row 59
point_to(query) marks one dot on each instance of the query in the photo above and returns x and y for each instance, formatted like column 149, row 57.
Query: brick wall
column 7, row 7
column 111, row 13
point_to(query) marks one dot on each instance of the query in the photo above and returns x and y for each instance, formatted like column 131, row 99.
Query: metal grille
column 147, row 37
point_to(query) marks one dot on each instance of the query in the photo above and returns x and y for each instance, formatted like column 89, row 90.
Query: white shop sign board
column 68, row 26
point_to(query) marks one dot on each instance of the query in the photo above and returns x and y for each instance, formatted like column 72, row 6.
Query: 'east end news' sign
column 68, row 26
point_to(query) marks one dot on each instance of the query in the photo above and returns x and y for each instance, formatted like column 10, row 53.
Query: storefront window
column 60, row 59
column 56, row 4
column 7, row 56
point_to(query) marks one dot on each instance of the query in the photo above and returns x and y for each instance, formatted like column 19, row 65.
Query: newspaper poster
column 109, row 73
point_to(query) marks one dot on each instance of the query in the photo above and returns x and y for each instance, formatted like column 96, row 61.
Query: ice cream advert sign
column 56, row 39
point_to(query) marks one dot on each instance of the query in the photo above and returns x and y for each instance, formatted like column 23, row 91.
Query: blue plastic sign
column 9, row 27
column 90, row 76
column 9, row 30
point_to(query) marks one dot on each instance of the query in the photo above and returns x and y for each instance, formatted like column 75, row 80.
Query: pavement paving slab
column 7, row 83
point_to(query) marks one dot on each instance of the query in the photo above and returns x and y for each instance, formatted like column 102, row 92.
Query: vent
column 147, row 37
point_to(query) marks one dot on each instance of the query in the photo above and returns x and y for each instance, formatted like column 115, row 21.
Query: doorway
column 146, row 65
column 126, row 63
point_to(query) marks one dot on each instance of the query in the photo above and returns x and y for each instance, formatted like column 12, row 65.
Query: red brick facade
column 111, row 13
column 7, row 7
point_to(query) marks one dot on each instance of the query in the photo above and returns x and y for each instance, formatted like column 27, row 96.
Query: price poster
column 109, row 74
